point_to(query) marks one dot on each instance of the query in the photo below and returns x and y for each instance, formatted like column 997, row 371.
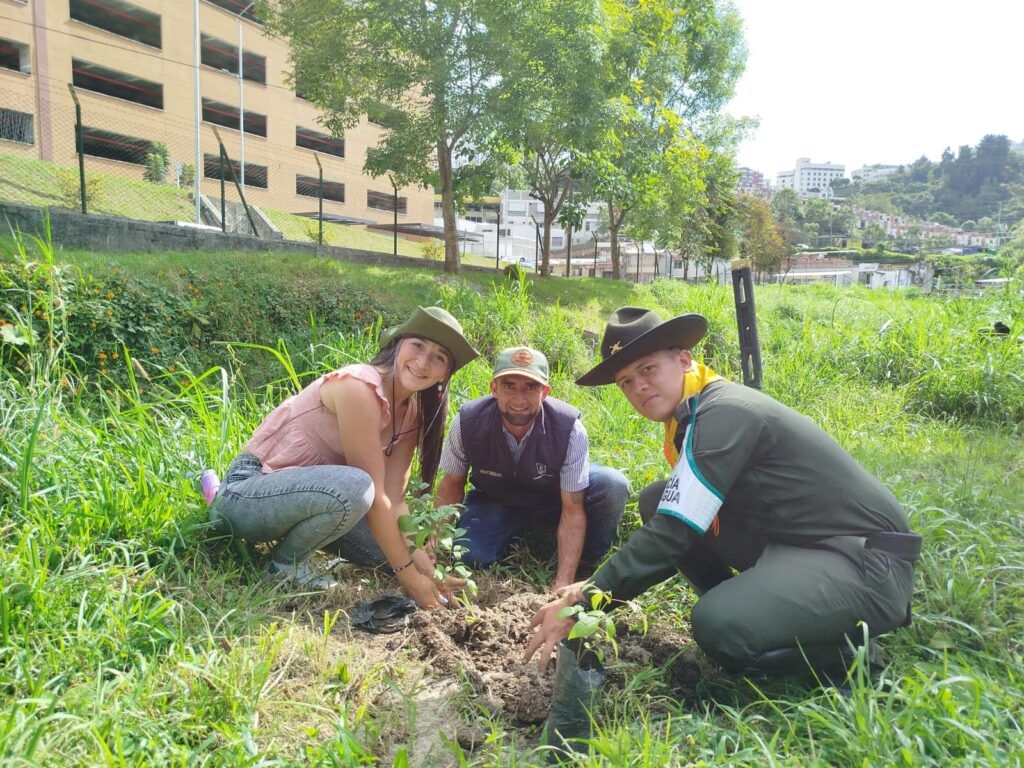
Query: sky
column 877, row 81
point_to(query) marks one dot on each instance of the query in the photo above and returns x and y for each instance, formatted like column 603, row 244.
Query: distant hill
column 967, row 186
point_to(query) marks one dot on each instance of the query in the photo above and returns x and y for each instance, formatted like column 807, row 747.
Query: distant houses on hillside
column 826, row 267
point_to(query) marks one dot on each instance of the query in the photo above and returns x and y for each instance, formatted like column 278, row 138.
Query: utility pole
column 241, row 96
column 198, row 115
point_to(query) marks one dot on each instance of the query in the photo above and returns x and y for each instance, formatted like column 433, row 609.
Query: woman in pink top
column 342, row 449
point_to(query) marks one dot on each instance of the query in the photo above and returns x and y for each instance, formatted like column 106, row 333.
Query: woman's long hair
column 433, row 408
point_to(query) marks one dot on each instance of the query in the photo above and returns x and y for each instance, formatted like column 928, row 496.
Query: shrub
column 157, row 162
column 69, row 188
column 188, row 175
column 432, row 250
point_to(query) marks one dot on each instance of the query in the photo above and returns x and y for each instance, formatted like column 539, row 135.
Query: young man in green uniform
column 791, row 545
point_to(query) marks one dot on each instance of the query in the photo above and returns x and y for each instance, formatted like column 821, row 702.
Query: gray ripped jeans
column 302, row 509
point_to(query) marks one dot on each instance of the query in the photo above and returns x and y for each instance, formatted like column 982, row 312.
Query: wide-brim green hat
column 633, row 332
column 437, row 325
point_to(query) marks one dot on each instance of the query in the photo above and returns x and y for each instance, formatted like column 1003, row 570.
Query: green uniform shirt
column 750, row 459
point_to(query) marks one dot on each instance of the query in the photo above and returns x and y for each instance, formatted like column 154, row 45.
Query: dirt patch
column 484, row 645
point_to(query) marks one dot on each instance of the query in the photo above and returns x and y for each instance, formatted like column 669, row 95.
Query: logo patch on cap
column 522, row 358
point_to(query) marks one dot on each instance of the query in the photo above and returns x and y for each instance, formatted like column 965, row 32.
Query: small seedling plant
column 429, row 525
column 593, row 624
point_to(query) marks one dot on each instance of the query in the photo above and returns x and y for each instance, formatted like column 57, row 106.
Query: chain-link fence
column 84, row 148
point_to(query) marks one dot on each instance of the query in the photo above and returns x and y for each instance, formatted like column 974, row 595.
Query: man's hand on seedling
column 552, row 629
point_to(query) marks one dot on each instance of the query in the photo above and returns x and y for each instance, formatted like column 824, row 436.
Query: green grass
column 129, row 637
column 38, row 182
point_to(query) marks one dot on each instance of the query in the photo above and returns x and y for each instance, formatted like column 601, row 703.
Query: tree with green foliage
column 1014, row 249
column 983, row 181
column 557, row 69
column 760, row 241
column 874, row 234
column 694, row 221
column 435, row 71
column 673, row 64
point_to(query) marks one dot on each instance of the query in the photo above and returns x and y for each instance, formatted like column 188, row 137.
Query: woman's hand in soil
column 423, row 589
column 450, row 586
column 552, row 630
column 423, row 562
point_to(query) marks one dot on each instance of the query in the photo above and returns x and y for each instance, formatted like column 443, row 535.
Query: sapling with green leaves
column 596, row 623
column 428, row 525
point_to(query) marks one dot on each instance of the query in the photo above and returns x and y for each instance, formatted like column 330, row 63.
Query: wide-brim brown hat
column 633, row 332
column 437, row 325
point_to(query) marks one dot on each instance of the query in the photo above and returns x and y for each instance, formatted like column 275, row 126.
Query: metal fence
column 103, row 156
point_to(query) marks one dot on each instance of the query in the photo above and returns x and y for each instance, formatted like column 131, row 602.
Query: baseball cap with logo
column 524, row 361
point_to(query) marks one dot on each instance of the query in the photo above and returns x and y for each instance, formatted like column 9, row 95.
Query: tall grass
column 128, row 636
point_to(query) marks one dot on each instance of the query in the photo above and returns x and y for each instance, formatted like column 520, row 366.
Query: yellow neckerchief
column 694, row 381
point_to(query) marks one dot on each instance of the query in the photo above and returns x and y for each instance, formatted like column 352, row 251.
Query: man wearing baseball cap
column 794, row 549
column 527, row 457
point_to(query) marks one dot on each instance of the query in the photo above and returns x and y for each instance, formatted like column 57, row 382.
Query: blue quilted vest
column 536, row 476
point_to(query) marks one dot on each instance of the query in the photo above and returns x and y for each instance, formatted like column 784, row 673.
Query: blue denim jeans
column 491, row 523
column 302, row 508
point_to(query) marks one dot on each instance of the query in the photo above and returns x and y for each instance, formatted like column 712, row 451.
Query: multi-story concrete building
column 873, row 172
column 810, row 179
column 133, row 67
column 752, row 182
column 514, row 236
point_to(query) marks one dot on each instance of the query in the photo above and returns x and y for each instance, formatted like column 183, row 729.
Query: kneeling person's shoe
column 299, row 573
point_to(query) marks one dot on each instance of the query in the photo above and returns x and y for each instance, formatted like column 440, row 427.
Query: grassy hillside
column 37, row 182
column 132, row 636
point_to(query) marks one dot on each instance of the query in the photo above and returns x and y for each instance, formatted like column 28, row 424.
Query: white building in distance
column 873, row 172
column 811, row 179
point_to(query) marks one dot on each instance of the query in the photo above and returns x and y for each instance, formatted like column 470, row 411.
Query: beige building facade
column 132, row 65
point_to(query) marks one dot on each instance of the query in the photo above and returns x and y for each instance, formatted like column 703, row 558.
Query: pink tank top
column 301, row 432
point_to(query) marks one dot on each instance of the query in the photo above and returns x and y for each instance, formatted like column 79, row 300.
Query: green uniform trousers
column 790, row 606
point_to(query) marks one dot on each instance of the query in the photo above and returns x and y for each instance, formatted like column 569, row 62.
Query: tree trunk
column 613, row 235
column 452, row 259
column 545, row 257
column 568, row 249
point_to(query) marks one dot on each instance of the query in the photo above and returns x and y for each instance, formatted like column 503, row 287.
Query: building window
column 119, row 18
column 255, row 175
column 115, row 146
column 309, row 186
column 16, row 126
column 235, row 6
column 14, row 55
column 120, row 85
column 227, row 116
column 319, row 142
column 222, row 55
column 385, row 201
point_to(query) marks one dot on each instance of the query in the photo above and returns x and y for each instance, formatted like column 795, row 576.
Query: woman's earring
column 440, row 388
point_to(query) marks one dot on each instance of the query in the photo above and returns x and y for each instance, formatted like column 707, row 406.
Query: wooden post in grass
column 79, row 146
column 746, row 321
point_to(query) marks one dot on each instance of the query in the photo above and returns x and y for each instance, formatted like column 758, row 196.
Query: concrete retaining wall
column 74, row 231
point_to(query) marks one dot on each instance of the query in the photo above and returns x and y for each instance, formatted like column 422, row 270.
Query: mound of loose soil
column 484, row 644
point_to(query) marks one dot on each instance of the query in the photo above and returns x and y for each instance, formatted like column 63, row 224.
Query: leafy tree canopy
column 969, row 184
